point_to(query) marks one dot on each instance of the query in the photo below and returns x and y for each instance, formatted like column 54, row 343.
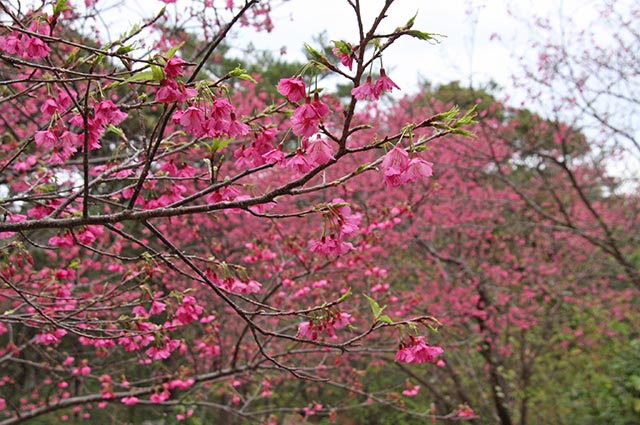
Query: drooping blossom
column 237, row 127
column 411, row 391
column 129, row 400
column 106, row 112
column 417, row 351
column 188, row 311
column 466, row 412
column 417, row 169
column 171, row 91
column 192, row 119
column 345, row 54
column 305, row 119
column 298, row 163
column 394, row 163
column 50, row 338
column 384, row 83
column 292, row 88
column 322, row 109
column 319, row 152
column 330, row 245
column 175, row 67
column 365, row 91
column 160, row 397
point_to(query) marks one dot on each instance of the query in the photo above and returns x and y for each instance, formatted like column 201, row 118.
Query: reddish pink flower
column 171, row 91
column 50, row 338
column 188, row 311
column 160, row 397
column 319, row 152
column 364, row 91
column 175, row 67
column 298, row 163
column 35, row 48
column 46, row 139
column 321, row 108
column 384, row 83
column 164, row 352
column 411, row 392
column 106, row 112
column 345, row 58
column 331, row 246
column 417, row 169
column 305, row 119
column 393, row 165
column 466, row 412
column 129, row 400
column 237, row 127
column 64, row 241
column 221, row 108
column 192, row 119
column 418, row 351
column 306, row 330
column 274, row 156
column 157, row 307
column 181, row 384
column 293, row 88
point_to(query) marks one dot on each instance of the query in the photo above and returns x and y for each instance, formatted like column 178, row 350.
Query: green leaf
column 361, row 168
column 123, row 50
column 172, row 51
column 313, row 52
column 112, row 128
column 157, row 72
column 242, row 74
column 219, row 144
column 61, row 6
column 343, row 47
column 426, row 36
column 140, row 76
column 411, row 21
column 386, row 319
column 344, row 296
column 375, row 307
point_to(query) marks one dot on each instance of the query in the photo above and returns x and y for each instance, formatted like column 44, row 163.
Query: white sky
column 466, row 54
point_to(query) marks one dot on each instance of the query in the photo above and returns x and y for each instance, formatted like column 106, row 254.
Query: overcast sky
column 467, row 53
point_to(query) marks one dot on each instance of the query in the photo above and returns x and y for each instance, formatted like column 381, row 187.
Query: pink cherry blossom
column 384, row 83
column 293, row 88
column 175, row 67
column 129, row 400
column 365, row 91
column 418, row 351
column 417, row 169
column 305, row 119
column 319, row 152
column 393, row 165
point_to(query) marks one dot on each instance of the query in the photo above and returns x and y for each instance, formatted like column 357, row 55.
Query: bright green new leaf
column 172, row 51
column 375, row 307
column 242, row 74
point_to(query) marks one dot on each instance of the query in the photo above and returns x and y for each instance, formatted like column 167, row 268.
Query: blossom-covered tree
column 174, row 242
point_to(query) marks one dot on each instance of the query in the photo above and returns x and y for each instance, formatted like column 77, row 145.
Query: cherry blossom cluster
column 372, row 91
column 340, row 222
column 307, row 116
column 329, row 323
column 63, row 143
column 417, row 351
column 231, row 283
column 25, row 45
column 398, row 169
